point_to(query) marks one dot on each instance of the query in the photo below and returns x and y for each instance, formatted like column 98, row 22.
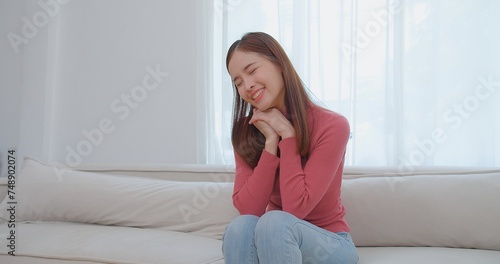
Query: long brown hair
column 247, row 140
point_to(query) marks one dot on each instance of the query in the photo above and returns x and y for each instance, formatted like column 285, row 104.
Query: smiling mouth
column 256, row 95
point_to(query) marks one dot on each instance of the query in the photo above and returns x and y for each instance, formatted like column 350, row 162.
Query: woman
column 289, row 161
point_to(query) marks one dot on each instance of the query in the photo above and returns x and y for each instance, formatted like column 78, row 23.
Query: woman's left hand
column 276, row 120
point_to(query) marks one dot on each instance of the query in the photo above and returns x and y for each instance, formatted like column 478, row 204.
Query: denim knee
column 241, row 225
column 273, row 219
column 238, row 241
column 273, row 223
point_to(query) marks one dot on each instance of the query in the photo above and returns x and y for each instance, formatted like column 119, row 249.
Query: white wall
column 81, row 97
column 10, row 80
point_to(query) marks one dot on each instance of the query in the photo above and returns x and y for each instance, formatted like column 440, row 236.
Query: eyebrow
column 244, row 69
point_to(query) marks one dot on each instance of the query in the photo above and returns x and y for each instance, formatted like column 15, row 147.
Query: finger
column 265, row 129
column 264, row 116
column 257, row 116
column 253, row 120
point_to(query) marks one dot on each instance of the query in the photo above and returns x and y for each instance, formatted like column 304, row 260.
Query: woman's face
column 258, row 80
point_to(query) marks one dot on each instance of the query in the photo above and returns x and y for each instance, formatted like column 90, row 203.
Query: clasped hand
column 272, row 123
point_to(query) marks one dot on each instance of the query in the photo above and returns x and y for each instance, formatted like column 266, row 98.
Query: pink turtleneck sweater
column 307, row 188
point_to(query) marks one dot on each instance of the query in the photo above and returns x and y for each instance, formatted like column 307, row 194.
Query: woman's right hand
column 272, row 138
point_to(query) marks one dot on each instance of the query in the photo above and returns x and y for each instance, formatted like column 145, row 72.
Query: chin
column 263, row 108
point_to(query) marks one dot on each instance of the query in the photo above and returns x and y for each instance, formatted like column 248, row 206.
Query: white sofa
column 178, row 215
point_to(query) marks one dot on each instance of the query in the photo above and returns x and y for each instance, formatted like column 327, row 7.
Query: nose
column 249, row 84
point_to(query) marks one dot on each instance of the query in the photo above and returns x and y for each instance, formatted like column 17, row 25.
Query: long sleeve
column 253, row 187
column 304, row 186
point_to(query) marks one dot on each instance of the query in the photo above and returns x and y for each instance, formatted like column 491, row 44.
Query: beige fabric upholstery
column 420, row 217
column 112, row 244
column 424, row 210
column 47, row 193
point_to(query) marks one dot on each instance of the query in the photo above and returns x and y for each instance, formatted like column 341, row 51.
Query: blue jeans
column 279, row 237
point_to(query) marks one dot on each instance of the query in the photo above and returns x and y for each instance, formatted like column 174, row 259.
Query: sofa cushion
column 112, row 244
column 456, row 210
column 427, row 255
column 44, row 193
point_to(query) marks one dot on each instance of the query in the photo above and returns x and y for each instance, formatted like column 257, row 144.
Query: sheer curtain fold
column 417, row 79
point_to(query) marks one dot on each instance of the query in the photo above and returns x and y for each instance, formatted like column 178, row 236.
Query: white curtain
column 419, row 80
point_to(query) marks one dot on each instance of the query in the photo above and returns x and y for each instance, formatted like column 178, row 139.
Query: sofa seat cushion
column 427, row 255
column 111, row 244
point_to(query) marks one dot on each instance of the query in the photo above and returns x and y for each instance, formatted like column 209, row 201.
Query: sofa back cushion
column 450, row 210
column 50, row 193
column 445, row 210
